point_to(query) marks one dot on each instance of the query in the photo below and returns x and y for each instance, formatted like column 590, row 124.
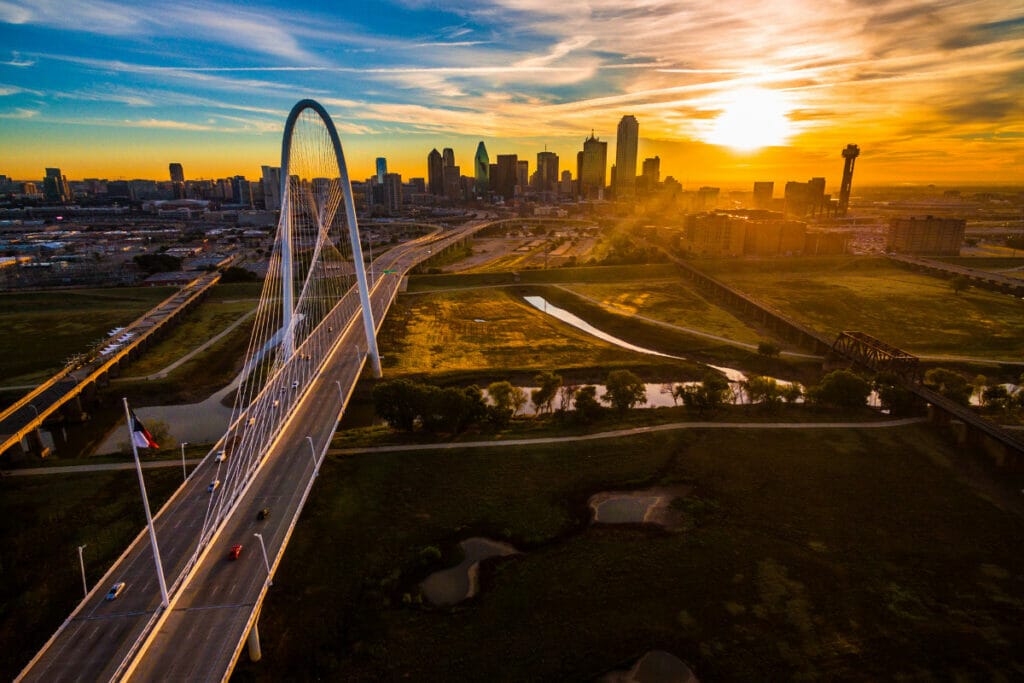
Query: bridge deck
column 40, row 404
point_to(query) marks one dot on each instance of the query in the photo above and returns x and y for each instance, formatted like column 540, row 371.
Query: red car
column 236, row 550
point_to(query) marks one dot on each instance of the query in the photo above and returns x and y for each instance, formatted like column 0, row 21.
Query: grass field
column 485, row 330
column 42, row 521
column 839, row 555
column 915, row 312
column 199, row 325
column 596, row 274
column 671, row 301
column 42, row 329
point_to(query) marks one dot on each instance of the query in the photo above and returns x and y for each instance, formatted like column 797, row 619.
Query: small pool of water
column 650, row 506
column 461, row 582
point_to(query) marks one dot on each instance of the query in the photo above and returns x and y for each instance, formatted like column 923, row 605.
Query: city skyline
column 725, row 93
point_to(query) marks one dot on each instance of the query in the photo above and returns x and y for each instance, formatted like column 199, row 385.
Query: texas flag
column 140, row 435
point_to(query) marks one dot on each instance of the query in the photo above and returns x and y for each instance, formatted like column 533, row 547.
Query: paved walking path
column 614, row 434
column 101, row 467
column 618, row 433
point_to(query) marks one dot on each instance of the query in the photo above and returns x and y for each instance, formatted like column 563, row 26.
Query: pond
column 648, row 506
column 461, row 582
column 203, row 422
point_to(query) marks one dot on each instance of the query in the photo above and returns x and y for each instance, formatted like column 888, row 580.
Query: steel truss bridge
column 314, row 330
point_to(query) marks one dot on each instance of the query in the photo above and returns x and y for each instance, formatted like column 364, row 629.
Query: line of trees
column 409, row 405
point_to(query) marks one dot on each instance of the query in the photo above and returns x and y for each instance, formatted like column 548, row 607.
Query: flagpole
column 145, row 504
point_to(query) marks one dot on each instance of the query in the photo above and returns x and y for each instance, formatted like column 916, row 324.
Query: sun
column 751, row 118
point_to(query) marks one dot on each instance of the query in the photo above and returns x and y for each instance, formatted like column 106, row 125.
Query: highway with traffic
column 215, row 600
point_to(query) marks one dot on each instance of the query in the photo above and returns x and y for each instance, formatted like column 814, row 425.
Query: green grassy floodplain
column 42, row 521
column 828, row 554
column 42, row 329
column 915, row 312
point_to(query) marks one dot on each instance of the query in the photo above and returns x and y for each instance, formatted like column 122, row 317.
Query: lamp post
column 184, row 476
column 266, row 562
column 341, row 394
column 312, row 450
column 81, row 563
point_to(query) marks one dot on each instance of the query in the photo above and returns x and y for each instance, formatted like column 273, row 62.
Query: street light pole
column 183, row 475
column 341, row 394
column 312, row 450
column 81, row 563
column 266, row 562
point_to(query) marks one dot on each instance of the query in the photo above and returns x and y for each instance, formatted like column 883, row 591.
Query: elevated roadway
column 214, row 601
column 63, row 389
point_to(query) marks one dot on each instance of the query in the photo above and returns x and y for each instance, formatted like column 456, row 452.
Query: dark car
column 263, row 514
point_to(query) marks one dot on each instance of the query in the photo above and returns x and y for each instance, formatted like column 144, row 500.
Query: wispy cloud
column 19, row 113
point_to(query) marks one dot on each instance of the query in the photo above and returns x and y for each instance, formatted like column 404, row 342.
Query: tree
column 792, row 392
column 624, row 390
column 893, row 394
column 451, row 409
column 157, row 263
column 978, row 386
column 842, row 389
column 763, row 390
column 543, row 396
column 711, row 393
column 585, row 403
column 950, row 384
column 397, row 402
column 768, row 349
column 996, row 396
column 236, row 274
column 506, row 400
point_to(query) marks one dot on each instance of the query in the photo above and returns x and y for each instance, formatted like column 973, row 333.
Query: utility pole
column 184, row 476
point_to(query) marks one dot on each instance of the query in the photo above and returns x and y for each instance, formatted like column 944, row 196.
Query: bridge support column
column 255, row 653
column 35, row 445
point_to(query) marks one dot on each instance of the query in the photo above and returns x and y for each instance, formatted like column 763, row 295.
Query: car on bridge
column 235, row 551
column 214, row 485
column 222, row 455
column 263, row 514
column 116, row 590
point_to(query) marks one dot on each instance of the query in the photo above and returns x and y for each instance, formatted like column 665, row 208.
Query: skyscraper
column 505, row 175
column 55, row 186
column 271, row 181
column 522, row 174
column 177, row 180
column 435, row 173
column 482, row 170
column 593, row 164
column 382, row 169
column 652, row 171
column 763, row 192
column 850, row 154
column 625, row 157
column 450, row 175
column 547, row 171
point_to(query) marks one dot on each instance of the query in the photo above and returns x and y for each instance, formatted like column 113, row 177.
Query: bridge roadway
column 31, row 410
column 201, row 636
column 983, row 278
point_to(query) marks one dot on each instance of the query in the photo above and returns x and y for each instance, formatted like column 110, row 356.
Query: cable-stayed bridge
column 313, row 332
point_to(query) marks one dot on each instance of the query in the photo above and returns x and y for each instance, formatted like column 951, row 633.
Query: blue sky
column 930, row 90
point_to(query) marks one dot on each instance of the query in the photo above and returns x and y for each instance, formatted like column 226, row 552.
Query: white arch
column 287, row 292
